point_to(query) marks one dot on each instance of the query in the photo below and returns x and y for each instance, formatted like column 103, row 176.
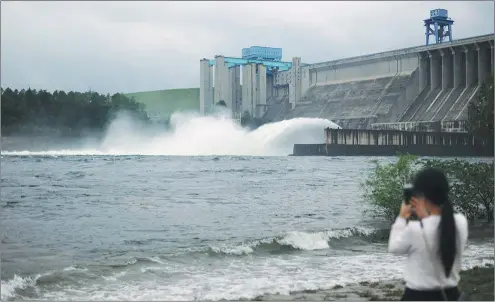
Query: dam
column 420, row 88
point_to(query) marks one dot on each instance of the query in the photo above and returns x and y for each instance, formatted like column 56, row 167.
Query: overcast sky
column 139, row 46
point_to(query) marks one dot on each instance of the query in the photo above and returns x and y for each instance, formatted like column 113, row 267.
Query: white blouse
column 424, row 269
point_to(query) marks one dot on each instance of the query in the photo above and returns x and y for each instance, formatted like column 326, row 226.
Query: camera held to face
column 408, row 192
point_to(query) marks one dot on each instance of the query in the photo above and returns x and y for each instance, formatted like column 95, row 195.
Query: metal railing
column 443, row 126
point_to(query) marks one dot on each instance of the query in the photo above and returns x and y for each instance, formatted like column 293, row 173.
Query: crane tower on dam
column 442, row 26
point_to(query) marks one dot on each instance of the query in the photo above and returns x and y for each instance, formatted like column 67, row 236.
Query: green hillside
column 162, row 103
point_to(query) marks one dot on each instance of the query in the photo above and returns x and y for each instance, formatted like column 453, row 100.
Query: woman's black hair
column 433, row 184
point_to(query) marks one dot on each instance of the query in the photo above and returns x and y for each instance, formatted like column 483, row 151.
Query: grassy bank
column 478, row 282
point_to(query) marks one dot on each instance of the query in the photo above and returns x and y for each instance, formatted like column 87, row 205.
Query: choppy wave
column 76, row 276
column 297, row 240
column 290, row 242
column 192, row 135
column 151, row 278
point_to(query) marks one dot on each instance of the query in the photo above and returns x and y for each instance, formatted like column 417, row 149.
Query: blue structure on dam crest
column 262, row 53
column 260, row 66
column 272, row 65
column 442, row 26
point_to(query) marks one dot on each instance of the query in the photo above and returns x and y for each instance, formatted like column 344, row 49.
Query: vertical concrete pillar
column 221, row 79
column 269, row 87
column 243, row 88
column 459, row 78
column 273, row 85
column 205, row 86
column 238, row 92
column 297, row 62
column 261, row 90
column 470, row 68
column 291, row 86
column 447, row 79
column 255, row 89
column 305, row 79
column 483, row 63
column 295, row 82
column 423, row 72
column 230, row 88
column 435, row 69
column 233, row 99
column 247, row 86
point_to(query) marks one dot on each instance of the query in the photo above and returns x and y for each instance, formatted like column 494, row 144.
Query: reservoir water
column 106, row 224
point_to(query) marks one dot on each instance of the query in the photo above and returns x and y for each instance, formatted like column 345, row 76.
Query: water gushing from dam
column 194, row 135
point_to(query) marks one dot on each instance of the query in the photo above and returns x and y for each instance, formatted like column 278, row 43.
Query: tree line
column 63, row 113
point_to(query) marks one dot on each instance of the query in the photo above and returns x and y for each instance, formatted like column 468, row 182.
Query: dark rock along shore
column 478, row 282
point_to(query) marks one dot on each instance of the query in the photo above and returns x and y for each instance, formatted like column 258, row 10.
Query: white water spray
column 192, row 135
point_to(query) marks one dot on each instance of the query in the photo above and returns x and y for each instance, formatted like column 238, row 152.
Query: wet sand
column 478, row 282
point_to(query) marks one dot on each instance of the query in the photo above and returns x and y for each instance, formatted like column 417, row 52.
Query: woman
column 433, row 244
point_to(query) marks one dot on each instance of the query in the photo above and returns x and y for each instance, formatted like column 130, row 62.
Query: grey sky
column 138, row 46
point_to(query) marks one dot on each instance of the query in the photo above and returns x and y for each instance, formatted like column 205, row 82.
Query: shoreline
column 477, row 281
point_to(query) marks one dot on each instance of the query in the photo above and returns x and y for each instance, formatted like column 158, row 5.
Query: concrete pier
column 234, row 97
column 435, row 69
column 295, row 83
column 262, row 92
column 353, row 142
column 254, row 89
column 205, row 86
column 423, row 71
column 483, row 63
column 247, row 88
column 471, row 75
column 459, row 67
column 221, row 80
column 447, row 68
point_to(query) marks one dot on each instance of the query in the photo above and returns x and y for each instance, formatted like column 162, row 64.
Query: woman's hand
column 418, row 204
column 405, row 211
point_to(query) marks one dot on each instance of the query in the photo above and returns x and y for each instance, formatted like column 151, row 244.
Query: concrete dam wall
column 425, row 88
column 426, row 85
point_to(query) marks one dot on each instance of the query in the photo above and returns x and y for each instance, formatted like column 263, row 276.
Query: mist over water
column 195, row 135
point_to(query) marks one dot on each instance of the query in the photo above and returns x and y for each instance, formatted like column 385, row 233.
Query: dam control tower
column 221, row 80
column 442, row 26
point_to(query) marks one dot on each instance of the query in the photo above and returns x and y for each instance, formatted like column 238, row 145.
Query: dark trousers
column 433, row 295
